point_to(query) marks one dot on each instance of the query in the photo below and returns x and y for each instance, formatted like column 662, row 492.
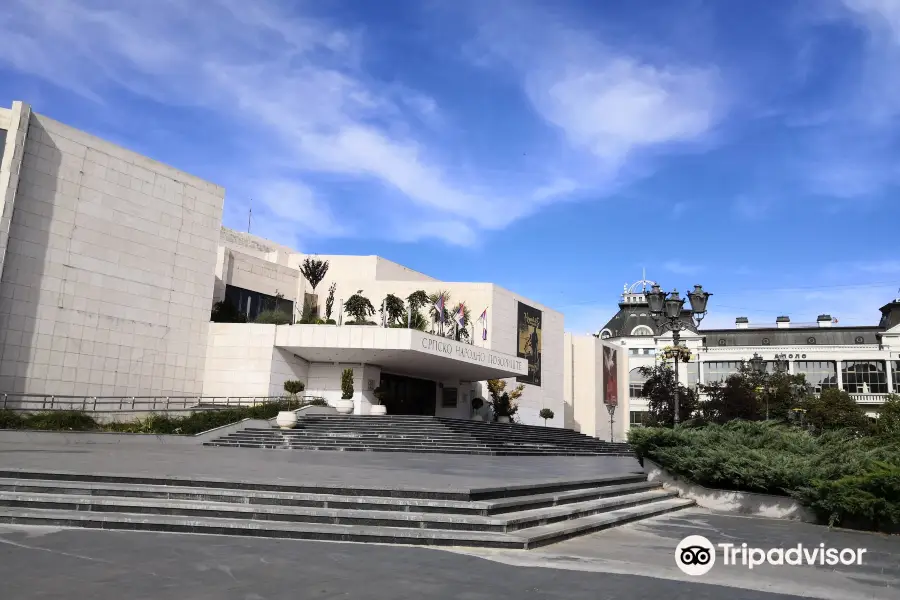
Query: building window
column 864, row 376
column 252, row 303
column 642, row 351
column 642, row 330
column 720, row 370
column 639, row 418
column 896, row 376
column 819, row 374
column 448, row 397
column 605, row 334
column 650, row 351
column 636, row 383
column 693, row 374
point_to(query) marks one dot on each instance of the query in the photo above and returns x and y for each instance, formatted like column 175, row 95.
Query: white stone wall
column 108, row 280
column 242, row 361
column 15, row 124
column 325, row 381
column 253, row 273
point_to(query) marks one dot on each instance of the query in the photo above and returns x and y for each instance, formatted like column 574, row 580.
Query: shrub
column 10, row 419
column 869, row 500
column 773, row 458
column 330, row 322
column 888, row 423
column 273, row 317
column 360, row 308
column 545, row 414
column 64, row 420
column 835, row 409
column 347, row 384
column 294, row 386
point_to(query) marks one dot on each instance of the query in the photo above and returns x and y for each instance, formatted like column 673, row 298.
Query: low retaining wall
column 742, row 503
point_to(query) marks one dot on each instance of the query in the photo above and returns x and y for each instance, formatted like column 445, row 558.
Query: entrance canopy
column 404, row 351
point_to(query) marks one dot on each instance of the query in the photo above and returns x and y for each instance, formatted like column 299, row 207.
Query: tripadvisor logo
column 695, row 555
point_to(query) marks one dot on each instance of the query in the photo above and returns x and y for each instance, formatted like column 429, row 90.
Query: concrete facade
column 107, row 275
column 255, row 264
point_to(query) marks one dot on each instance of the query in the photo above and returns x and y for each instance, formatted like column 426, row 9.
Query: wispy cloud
column 680, row 268
column 751, row 208
column 614, row 105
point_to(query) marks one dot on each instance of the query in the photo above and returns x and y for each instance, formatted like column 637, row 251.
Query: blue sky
column 554, row 148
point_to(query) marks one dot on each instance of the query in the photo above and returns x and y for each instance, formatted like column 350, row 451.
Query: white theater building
column 110, row 263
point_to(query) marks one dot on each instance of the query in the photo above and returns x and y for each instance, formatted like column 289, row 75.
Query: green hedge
column 846, row 479
column 194, row 423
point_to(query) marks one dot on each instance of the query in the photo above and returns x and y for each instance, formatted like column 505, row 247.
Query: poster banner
column 610, row 375
column 529, row 346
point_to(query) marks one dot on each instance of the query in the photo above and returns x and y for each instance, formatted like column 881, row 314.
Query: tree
column 659, row 389
column 503, row 403
column 314, row 271
column 293, row 387
column 415, row 301
column 496, row 387
column 329, row 302
column 750, row 396
column 888, row 422
column 545, row 414
column 359, row 307
column 226, row 312
column 835, row 409
column 347, row 384
column 394, row 307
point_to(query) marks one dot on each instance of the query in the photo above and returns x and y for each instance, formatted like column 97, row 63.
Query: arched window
column 641, row 330
column 636, row 383
column 605, row 334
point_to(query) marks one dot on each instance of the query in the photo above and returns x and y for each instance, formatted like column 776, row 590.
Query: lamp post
column 612, row 411
column 667, row 309
column 758, row 364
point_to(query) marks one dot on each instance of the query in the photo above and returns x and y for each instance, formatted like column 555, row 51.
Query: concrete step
column 336, row 516
column 521, row 539
column 552, row 533
column 405, row 448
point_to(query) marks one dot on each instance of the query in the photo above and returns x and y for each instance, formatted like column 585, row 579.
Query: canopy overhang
column 401, row 351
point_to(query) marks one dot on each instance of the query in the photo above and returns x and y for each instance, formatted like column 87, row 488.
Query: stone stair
column 517, row 517
column 393, row 433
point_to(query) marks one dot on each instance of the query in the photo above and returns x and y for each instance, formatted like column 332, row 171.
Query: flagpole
column 341, row 311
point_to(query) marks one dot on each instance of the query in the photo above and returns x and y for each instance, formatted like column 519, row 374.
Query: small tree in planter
column 394, row 308
column 347, row 384
column 545, row 414
column 314, row 271
column 293, row 387
column 477, row 403
column 359, row 307
column 504, row 408
column 329, row 303
column 417, row 300
column 507, row 407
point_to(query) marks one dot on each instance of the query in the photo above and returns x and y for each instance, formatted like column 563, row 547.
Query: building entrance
column 408, row 395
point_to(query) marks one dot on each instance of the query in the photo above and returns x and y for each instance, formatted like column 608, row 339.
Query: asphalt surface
column 51, row 564
column 399, row 470
column 647, row 547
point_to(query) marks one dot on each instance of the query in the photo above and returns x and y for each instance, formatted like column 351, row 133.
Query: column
column 839, row 375
column 889, row 373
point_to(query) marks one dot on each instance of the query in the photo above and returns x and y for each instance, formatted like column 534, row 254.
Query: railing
column 869, row 398
column 133, row 404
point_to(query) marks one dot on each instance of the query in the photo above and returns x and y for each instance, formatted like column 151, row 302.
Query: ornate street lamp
column 667, row 309
column 757, row 364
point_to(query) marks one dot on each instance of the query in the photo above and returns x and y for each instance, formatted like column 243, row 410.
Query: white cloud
column 680, row 268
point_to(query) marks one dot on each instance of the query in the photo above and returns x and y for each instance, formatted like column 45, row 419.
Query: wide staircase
column 518, row 517
column 396, row 433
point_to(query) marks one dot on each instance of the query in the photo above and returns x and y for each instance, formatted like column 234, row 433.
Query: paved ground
column 50, row 564
column 648, row 546
column 353, row 469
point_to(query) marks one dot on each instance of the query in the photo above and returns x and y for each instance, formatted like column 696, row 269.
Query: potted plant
column 287, row 419
column 504, row 408
column 545, row 414
column 477, row 403
column 380, row 408
column 345, row 404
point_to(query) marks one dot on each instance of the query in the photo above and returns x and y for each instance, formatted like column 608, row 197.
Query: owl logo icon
column 695, row 555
